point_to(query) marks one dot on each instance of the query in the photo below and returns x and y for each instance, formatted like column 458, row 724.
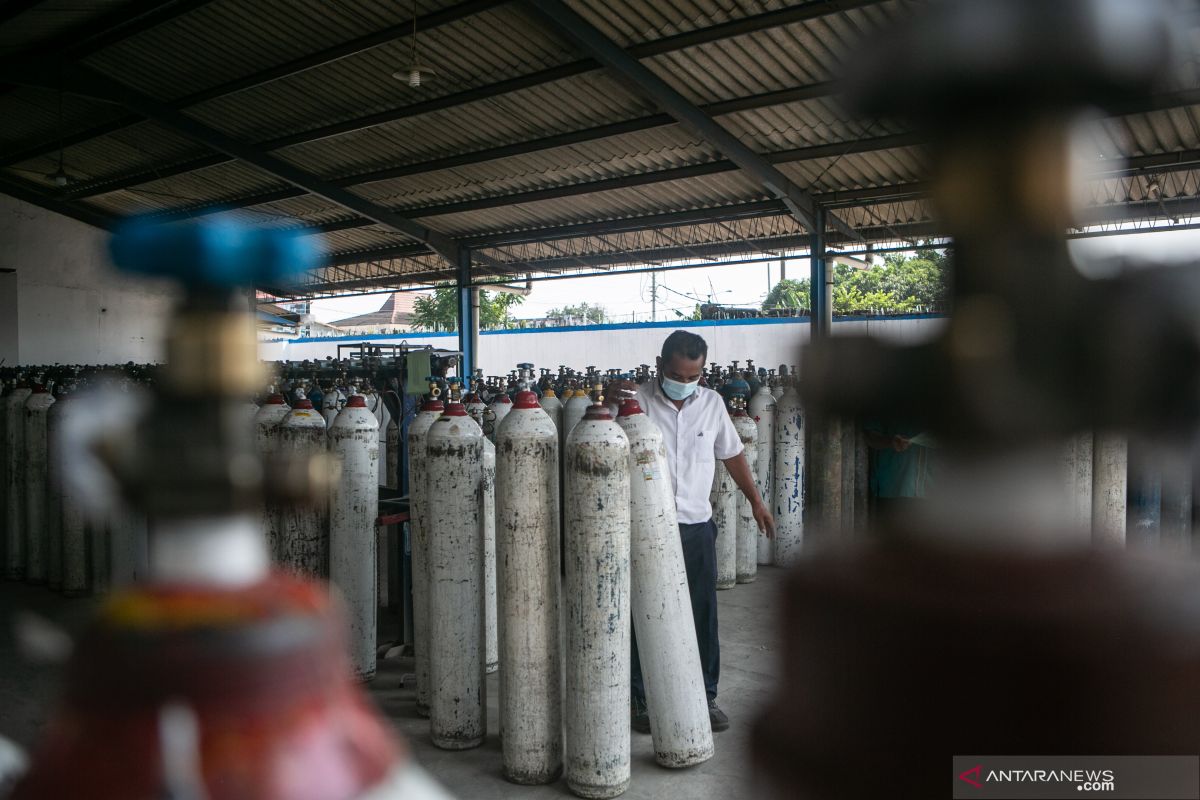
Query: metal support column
column 820, row 279
column 468, row 315
column 823, row 453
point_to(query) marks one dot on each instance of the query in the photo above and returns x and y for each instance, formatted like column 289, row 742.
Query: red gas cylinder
column 263, row 672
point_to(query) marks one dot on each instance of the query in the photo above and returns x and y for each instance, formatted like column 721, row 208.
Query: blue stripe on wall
column 617, row 326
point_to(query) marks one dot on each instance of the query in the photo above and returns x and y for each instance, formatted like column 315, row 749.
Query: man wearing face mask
column 696, row 430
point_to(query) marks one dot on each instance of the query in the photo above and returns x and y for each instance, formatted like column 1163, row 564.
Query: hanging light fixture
column 59, row 177
column 414, row 72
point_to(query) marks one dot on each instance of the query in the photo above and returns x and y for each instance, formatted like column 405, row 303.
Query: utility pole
column 654, row 297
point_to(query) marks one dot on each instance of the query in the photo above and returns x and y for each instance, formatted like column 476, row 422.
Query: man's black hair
column 688, row 345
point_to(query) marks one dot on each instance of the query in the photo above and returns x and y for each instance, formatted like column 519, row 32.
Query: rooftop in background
column 396, row 312
column 520, row 147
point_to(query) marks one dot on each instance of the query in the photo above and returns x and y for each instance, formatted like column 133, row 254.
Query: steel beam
column 472, row 158
column 29, row 193
column 645, row 83
column 802, row 12
column 98, row 85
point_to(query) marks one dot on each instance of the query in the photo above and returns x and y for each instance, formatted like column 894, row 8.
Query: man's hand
column 622, row 390
column 900, row 443
column 763, row 518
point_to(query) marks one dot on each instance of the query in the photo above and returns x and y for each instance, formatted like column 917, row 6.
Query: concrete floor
column 749, row 671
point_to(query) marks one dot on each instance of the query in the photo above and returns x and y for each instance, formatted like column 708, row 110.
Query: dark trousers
column 700, row 561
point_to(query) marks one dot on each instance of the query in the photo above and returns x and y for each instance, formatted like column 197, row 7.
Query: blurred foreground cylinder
column 1079, row 651
column 74, row 534
column 527, row 554
column 661, row 605
column 762, row 410
column 487, row 512
column 54, row 496
column 724, row 500
column 597, row 619
column 14, row 488
column 1110, row 456
column 303, row 544
column 353, row 505
column 1077, row 478
column 418, row 515
column 454, row 529
column 128, row 547
column 789, row 479
column 254, row 702
column 266, row 440
column 35, row 466
column 747, row 528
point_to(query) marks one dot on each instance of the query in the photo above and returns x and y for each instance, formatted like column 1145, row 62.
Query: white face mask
column 678, row 390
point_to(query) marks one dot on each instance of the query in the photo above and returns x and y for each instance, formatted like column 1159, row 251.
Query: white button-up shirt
column 695, row 435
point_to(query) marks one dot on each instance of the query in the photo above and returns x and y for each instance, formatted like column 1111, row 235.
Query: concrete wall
column 69, row 305
column 770, row 342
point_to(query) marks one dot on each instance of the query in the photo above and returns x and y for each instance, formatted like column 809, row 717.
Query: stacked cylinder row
column 563, row 642
column 48, row 538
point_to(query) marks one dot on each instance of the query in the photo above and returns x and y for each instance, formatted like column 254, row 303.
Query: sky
column 627, row 297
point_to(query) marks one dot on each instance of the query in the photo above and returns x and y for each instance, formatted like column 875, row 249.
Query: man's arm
column 739, row 470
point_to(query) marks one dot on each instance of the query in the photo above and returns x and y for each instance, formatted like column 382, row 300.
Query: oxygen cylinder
column 128, row 547
column 723, row 499
column 789, row 479
column 553, row 408
column 74, row 544
column 527, row 556
column 14, row 489
column 500, row 406
column 303, row 544
column 353, row 504
column 383, row 458
column 101, row 557
column 487, row 508
column 457, row 685
column 661, row 605
column 54, row 496
column 36, row 408
column 391, row 474
column 418, row 511
column 266, row 440
column 573, row 410
column 747, row 529
column 330, row 405
column 762, row 410
column 475, row 408
column 596, row 586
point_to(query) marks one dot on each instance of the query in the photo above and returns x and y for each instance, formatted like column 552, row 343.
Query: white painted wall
column 71, row 306
column 769, row 342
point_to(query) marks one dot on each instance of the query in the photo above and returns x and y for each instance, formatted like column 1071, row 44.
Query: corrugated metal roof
column 50, row 19
column 227, row 40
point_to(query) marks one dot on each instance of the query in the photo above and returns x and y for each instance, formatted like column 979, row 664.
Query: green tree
column 695, row 315
column 902, row 284
column 590, row 314
column 787, row 293
column 439, row 311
